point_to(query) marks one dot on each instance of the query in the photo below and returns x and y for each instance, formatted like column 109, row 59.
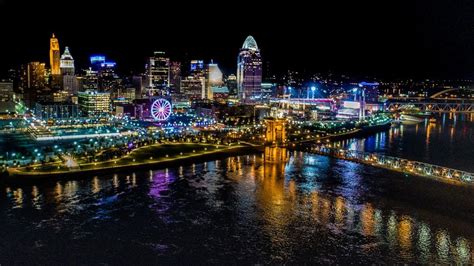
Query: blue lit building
column 101, row 74
column 97, row 61
column 197, row 66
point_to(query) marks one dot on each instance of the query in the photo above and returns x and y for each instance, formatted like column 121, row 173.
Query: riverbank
column 362, row 132
column 357, row 132
column 159, row 155
column 414, row 168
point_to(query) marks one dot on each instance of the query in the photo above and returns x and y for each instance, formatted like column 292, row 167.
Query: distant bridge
column 432, row 105
column 436, row 95
column 397, row 164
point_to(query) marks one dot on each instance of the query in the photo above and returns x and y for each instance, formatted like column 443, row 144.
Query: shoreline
column 373, row 130
column 14, row 175
column 17, row 176
column 361, row 132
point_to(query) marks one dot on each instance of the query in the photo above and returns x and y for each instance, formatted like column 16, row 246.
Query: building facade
column 70, row 83
column 193, row 88
column 92, row 103
column 158, row 74
column 175, row 77
column 249, row 71
column 89, row 80
column 197, row 68
column 33, row 76
column 107, row 77
column 97, row 61
column 231, row 83
column 54, row 110
column 66, row 63
column 6, row 91
column 54, row 56
column 33, row 81
column 214, row 75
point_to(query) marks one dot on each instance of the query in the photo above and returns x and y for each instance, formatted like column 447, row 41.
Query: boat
column 418, row 114
column 413, row 111
column 410, row 118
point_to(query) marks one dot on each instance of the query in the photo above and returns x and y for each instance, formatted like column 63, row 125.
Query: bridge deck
column 435, row 106
column 397, row 164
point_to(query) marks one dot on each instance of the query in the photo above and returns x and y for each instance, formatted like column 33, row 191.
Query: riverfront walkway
column 397, row 164
column 146, row 155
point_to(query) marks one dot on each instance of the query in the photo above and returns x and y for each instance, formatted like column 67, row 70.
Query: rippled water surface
column 274, row 207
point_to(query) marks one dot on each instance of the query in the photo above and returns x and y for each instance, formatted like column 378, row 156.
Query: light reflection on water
column 275, row 207
column 407, row 236
column 447, row 142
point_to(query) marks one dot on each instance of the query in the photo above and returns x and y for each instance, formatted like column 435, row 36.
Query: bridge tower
column 275, row 131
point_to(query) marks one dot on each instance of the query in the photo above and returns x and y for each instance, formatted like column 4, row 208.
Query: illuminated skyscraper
column 231, row 83
column 101, row 75
column 175, row 76
column 32, row 82
column 108, row 79
column 70, row 82
column 6, row 92
column 158, row 74
column 90, row 79
column 67, row 63
column 249, row 71
column 32, row 76
column 137, row 83
column 214, row 75
column 194, row 88
column 93, row 103
column 197, row 68
column 213, row 79
column 97, row 61
column 54, row 56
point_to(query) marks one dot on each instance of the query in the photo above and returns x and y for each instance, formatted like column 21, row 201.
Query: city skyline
column 360, row 39
column 166, row 132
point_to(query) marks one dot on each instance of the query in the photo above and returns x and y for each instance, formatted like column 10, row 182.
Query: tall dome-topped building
column 69, row 80
column 249, row 71
column 67, row 63
column 250, row 43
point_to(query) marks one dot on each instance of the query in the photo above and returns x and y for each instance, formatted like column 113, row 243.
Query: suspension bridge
column 396, row 164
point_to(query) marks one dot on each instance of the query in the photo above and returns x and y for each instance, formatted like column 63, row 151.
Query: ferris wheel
column 161, row 109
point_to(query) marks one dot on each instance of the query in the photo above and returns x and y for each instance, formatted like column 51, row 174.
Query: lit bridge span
column 444, row 101
column 431, row 105
column 397, row 164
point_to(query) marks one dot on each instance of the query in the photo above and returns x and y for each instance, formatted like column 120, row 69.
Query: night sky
column 384, row 38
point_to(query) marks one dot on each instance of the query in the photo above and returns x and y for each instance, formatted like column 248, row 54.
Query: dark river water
column 277, row 207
